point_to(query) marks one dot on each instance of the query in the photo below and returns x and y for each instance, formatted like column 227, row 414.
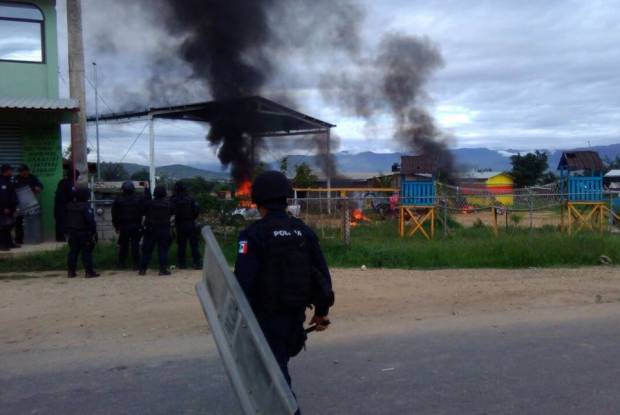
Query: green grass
column 378, row 245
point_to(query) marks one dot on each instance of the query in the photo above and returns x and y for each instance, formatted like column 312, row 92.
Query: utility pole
column 77, row 87
column 97, row 121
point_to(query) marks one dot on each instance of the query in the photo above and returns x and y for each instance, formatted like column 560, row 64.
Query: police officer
column 127, row 213
column 65, row 192
column 8, row 203
column 82, row 229
column 282, row 270
column 157, row 215
column 23, row 179
column 186, row 212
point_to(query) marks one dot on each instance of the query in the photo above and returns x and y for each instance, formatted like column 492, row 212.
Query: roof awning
column 256, row 116
column 38, row 109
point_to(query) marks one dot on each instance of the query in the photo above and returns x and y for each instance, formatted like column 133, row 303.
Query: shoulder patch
column 243, row 247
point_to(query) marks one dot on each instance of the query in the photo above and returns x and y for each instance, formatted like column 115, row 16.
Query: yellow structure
column 418, row 216
column 587, row 216
column 476, row 185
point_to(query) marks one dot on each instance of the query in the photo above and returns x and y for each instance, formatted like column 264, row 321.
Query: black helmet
column 179, row 187
column 128, row 186
column 160, row 192
column 23, row 168
column 82, row 194
column 271, row 189
column 5, row 168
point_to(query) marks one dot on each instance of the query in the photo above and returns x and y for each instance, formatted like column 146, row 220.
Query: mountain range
column 370, row 162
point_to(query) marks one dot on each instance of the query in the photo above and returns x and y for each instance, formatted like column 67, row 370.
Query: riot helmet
column 160, row 192
column 271, row 189
column 128, row 187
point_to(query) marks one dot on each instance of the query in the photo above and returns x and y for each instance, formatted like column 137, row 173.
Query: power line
column 134, row 142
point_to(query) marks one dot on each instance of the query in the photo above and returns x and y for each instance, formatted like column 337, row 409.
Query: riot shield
column 253, row 371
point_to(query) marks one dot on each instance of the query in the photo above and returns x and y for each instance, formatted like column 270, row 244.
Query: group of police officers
column 136, row 218
column 279, row 265
column 11, row 219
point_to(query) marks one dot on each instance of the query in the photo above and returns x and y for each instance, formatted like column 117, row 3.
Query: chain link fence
column 456, row 207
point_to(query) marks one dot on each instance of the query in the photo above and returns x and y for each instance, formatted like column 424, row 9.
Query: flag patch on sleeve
column 243, row 247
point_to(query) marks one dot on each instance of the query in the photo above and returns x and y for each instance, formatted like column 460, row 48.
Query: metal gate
column 11, row 145
column 253, row 371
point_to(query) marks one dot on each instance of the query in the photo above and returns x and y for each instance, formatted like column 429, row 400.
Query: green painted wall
column 19, row 79
column 40, row 131
column 42, row 153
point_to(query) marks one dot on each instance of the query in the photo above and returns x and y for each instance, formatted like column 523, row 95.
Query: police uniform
column 127, row 214
column 65, row 192
column 8, row 203
column 33, row 182
column 157, row 216
column 82, row 230
column 186, row 212
column 282, row 271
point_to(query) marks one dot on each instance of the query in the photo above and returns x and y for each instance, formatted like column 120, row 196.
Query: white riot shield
column 27, row 201
column 253, row 371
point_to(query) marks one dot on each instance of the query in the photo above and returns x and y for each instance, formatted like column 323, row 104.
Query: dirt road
column 48, row 314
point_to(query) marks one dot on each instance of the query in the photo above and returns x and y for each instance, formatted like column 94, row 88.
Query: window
column 21, row 33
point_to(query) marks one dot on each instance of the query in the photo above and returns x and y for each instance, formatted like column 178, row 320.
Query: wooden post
column 433, row 222
column 495, row 225
column 569, row 208
column 401, row 222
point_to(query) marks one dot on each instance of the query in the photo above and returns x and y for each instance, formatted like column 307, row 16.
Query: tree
column 284, row 165
column 198, row 185
column 113, row 172
column 529, row 169
column 303, row 176
column 140, row 176
column 612, row 164
column 68, row 153
column 383, row 181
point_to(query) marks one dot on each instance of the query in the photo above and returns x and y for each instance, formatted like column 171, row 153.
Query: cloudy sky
column 517, row 75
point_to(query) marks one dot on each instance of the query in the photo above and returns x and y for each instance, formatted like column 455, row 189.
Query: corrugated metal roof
column 613, row 173
column 412, row 165
column 38, row 103
column 581, row 160
column 480, row 175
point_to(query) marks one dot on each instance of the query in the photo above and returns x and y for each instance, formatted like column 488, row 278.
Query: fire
column 357, row 217
column 244, row 194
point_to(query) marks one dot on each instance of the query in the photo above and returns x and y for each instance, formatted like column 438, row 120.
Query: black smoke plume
column 225, row 44
column 394, row 81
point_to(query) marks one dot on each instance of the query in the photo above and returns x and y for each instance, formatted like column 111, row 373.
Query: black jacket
column 185, row 208
column 8, row 197
column 251, row 259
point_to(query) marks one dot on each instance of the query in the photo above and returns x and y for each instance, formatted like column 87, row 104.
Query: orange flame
column 357, row 217
column 244, row 194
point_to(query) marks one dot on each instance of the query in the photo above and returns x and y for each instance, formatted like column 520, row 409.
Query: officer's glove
column 320, row 323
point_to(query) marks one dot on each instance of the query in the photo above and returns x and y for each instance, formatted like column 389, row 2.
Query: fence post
column 530, row 207
column 346, row 222
column 445, row 217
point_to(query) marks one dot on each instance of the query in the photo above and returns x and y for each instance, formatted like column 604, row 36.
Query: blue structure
column 417, row 181
column 417, row 192
column 581, row 176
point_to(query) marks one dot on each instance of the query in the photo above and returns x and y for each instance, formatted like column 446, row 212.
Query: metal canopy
column 255, row 116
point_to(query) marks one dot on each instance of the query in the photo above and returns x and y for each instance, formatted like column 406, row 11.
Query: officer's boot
column 92, row 274
column 164, row 272
column 71, row 274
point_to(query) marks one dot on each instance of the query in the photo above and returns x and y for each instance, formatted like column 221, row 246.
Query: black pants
column 80, row 242
column 5, row 238
column 19, row 230
column 280, row 331
column 161, row 238
column 187, row 232
column 60, row 228
column 129, row 237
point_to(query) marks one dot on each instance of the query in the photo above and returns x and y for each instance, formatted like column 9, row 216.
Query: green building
column 31, row 112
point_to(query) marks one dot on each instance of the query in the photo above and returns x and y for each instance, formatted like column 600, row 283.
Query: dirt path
column 55, row 313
